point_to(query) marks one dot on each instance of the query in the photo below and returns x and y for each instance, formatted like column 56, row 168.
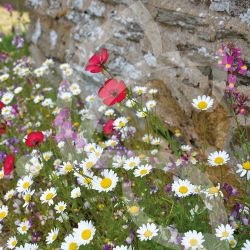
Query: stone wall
column 166, row 44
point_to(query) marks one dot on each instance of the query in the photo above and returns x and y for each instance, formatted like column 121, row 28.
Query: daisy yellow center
column 91, row 98
column 73, row 246
column 49, row 196
column 213, row 190
column 2, row 215
column 144, row 171
column 202, row 105
column 1, row 175
column 24, row 228
column 134, row 210
column 10, row 195
column 68, row 167
column 13, row 243
column 106, row 183
column 231, row 242
column 197, row 190
column 54, row 236
column 148, row 233
column 26, row 185
column 244, row 67
column 88, row 181
column 132, row 164
column 77, row 194
column 27, row 198
column 113, row 143
column 225, row 234
column 47, row 157
column 121, row 124
column 86, row 234
column 91, row 149
column 139, row 91
column 147, row 139
column 219, row 160
column 143, row 114
column 89, row 164
column 228, row 65
column 7, row 99
column 61, row 208
column 183, row 189
column 97, row 154
column 246, row 165
column 193, row 242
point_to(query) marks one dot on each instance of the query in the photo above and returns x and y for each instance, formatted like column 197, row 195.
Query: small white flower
column 202, row 103
column 7, row 98
column 224, row 232
column 147, row 231
column 75, row 193
column 218, row 158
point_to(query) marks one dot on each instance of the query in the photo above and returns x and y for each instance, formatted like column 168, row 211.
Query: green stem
column 246, row 184
column 221, row 178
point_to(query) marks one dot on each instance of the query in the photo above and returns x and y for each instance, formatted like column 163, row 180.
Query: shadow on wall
column 18, row 5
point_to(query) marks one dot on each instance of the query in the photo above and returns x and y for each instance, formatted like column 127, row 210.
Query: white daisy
column 3, row 212
column 152, row 91
column 52, row 235
column 107, row 182
column 84, row 233
column 147, row 138
column 66, row 167
column 131, row 163
column 61, row 144
column 224, row 232
column 120, row 123
column 11, row 242
column 38, row 98
column 109, row 112
column 6, row 110
column 118, row 161
column 111, row 143
column 57, row 162
column 139, row 90
column 23, row 227
column 213, row 192
column 64, row 66
column 232, row 242
column 70, row 243
column 48, row 103
column 134, row 210
column 102, row 108
column 130, row 103
column 142, row 170
column 9, row 194
column 122, row 247
column 75, row 193
column 90, row 98
column 48, row 62
column 25, row 72
column 74, row 86
column 48, row 195
column 7, row 98
column 1, row 174
column 202, row 103
column 26, row 196
column 66, row 96
column 68, row 72
column 147, row 232
column 90, row 147
column 18, row 90
column 142, row 114
column 244, row 169
column 218, row 158
column 24, row 183
column 246, row 245
column 86, row 179
column 4, row 77
column 182, row 188
column 186, row 148
column 156, row 141
column 60, row 207
column 192, row 240
column 47, row 155
column 89, row 162
column 150, row 104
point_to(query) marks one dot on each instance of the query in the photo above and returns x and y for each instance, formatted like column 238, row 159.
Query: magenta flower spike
column 241, row 67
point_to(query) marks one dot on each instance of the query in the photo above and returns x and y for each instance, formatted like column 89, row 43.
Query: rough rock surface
column 170, row 45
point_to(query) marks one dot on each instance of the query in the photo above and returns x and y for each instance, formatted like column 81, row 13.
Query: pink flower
column 228, row 61
column 96, row 62
column 221, row 51
column 112, row 92
column 242, row 68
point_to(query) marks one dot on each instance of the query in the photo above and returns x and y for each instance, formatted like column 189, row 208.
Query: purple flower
column 2, row 156
column 221, row 51
column 67, row 131
column 20, row 42
column 236, row 52
column 242, row 68
column 80, row 143
column 9, row 8
column 228, row 61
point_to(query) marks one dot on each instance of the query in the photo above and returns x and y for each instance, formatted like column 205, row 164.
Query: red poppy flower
column 108, row 127
column 96, row 62
column 34, row 139
column 112, row 92
column 1, row 105
column 3, row 128
column 8, row 165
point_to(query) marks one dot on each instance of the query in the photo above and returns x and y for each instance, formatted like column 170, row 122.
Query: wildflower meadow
column 103, row 172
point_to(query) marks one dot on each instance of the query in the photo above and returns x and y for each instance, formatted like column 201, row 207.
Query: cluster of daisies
column 67, row 179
